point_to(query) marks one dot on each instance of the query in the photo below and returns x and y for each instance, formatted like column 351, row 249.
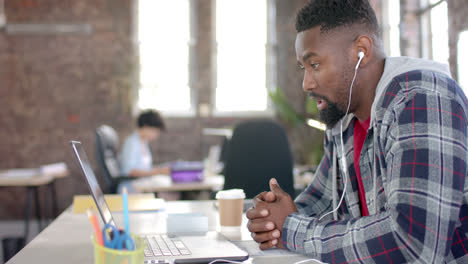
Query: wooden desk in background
column 32, row 179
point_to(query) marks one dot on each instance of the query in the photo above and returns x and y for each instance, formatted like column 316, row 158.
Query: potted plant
column 307, row 141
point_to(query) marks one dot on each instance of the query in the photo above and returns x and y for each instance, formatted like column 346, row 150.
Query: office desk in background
column 212, row 183
column 68, row 238
column 160, row 184
column 32, row 180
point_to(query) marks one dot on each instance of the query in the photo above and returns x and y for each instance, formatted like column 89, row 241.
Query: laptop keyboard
column 164, row 246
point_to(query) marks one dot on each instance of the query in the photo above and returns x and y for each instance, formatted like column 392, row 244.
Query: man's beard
column 332, row 113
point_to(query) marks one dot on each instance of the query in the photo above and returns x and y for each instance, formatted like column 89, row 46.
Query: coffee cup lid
column 231, row 194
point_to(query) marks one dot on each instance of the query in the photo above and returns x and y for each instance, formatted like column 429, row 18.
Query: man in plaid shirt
column 391, row 185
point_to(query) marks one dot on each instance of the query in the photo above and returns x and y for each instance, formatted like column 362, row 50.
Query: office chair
column 224, row 150
column 258, row 150
column 107, row 142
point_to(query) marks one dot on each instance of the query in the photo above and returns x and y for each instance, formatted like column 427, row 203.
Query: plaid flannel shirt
column 420, row 214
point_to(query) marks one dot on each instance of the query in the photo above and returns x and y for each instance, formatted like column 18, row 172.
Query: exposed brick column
column 410, row 40
column 204, row 49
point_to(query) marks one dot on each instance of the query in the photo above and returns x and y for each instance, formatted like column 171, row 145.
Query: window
column 390, row 26
column 439, row 32
column 394, row 24
column 461, row 58
column 164, row 56
column 241, row 59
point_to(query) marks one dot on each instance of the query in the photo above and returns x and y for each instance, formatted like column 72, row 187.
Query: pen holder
column 103, row 255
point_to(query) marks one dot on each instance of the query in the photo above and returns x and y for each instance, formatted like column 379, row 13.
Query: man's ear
column 364, row 44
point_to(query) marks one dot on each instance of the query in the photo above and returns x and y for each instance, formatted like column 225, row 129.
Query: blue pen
column 125, row 211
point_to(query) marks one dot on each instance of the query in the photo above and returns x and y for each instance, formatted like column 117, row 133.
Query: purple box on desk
column 187, row 171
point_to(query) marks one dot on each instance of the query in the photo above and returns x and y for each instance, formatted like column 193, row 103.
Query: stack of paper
column 54, row 168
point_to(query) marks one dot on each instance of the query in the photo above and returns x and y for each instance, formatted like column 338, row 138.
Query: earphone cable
column 343, row 156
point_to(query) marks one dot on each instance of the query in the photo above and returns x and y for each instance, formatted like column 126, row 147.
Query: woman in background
column 135, row 157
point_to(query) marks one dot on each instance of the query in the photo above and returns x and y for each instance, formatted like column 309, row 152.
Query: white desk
column 67, row 239
column 37, row 178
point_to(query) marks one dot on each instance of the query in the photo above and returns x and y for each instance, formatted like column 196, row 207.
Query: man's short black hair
column 151, row 118
column 332, row 14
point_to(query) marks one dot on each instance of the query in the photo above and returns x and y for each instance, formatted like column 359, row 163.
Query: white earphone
column 361, row 56
column 344, row 164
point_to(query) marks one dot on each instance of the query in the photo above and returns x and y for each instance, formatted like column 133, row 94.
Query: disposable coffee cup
column 230, row 204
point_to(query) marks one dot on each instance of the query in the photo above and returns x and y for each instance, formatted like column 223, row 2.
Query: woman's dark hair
column 151, row 118
column 332, row 14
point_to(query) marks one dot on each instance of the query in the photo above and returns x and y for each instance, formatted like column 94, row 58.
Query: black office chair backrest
column 224, row 150
column 258, row 150
column 107, row 142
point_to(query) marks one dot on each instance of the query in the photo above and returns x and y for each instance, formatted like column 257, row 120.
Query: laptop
column 164, row 248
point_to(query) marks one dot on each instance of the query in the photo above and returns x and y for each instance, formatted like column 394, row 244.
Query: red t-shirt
column 360, row 133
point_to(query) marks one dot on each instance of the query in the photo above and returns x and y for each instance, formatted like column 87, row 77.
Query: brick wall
column 57, row 87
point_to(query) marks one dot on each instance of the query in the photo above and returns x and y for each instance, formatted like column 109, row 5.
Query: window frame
column 464, row 84
column 427, row 32
column 388, row 30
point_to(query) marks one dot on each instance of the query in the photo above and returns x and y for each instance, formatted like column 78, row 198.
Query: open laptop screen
column 93, row 185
